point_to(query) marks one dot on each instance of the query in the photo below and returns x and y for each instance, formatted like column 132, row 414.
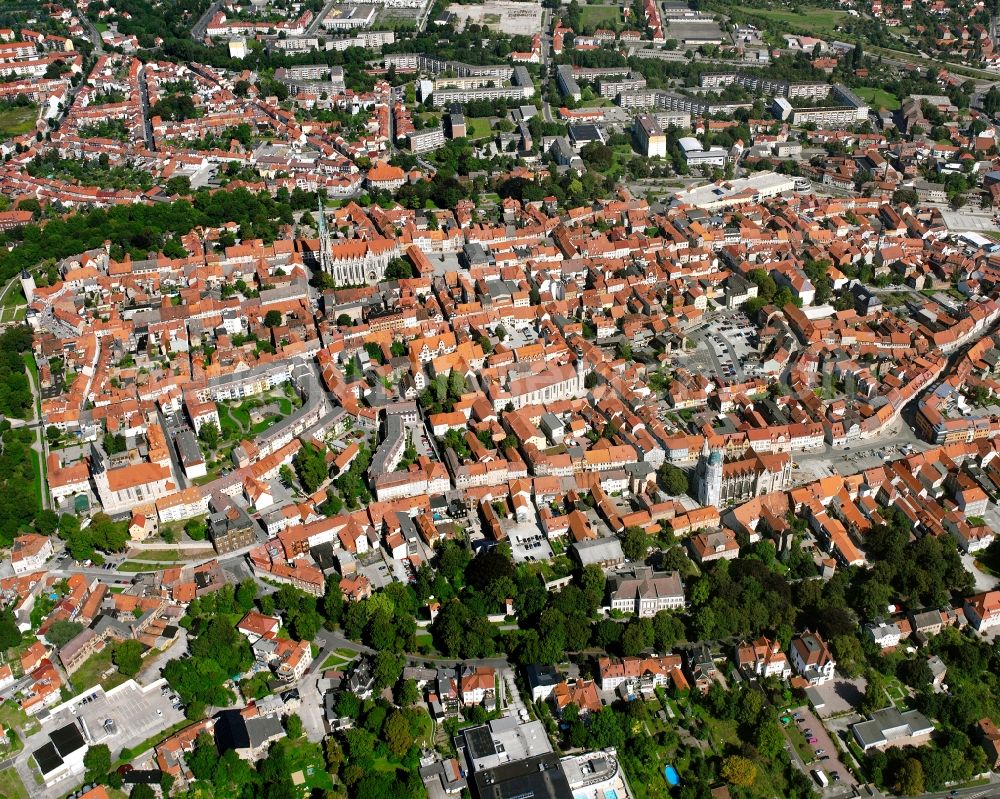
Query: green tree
column 209, row 433
column 127, row 656
column 397, row 733
column 62, row 632
column 97, row 762
column 272, row 318
column 739, row 771
column 910, row 781
column 635, row 544
column 673, row 479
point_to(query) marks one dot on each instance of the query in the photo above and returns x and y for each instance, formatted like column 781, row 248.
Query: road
column 147, row 125
column 319, row 17
column 198, row 31
column 95, row 37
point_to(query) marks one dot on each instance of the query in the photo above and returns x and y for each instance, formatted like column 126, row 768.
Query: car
column 820, row 751
column 813, row 740
column 159, row 711
column 835, row 775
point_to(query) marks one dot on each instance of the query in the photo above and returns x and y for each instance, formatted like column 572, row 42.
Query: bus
column 821, row 778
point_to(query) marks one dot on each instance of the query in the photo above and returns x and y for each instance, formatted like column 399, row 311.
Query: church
column 723, row 484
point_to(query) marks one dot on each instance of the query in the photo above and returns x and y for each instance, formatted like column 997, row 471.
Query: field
column 879, row 98
column 89, row 674
column 516, row 19
column 600, row 16
column 15, row 121
column 807, row 19
column 478, row 127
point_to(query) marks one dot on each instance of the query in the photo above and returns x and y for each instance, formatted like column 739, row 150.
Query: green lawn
column 478, row 127
column 143, row 566
column 15, row 121
column 878, row 98
column 14, row 296
column 600, row 16
column 159, row 555
column 90, row 673
column 11, row 716
column 337, row 660
column 306, row 757
column 11, row 786
column 806, row 19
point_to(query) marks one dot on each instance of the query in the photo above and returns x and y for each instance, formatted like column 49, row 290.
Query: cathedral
column 723, row 484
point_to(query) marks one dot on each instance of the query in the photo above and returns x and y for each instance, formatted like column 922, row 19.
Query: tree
column 97, row 762
column 142, row 791
column 739, row 771
column 62, row 632
column 209, row 433
column 407, row 693
column 272, row 318
column 246, row 593
column 10, row 635
column 910, row 781
column 635, row 544
column 397, row 733
column 293, row 725
column 673, row 479
column 769, row 739
column 127, row 656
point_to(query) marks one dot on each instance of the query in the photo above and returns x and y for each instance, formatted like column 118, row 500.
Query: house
column 645, row 592
column 812, row 659
column 29, row 553
column 478, row 686
column 582, row 693
column 541, row 680
column 631, row 676
column 885, row 635
column 763, row 658
column 983, row 611
column 989, row 739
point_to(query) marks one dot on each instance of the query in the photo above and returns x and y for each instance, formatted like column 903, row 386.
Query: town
column 443, row 400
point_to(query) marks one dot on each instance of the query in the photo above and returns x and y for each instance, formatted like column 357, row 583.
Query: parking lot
column 726, row 347
column 528, row 543
column 821, row 753
column 135, row 714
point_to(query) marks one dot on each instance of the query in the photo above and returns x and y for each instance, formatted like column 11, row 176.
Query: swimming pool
column 611, row 793
column 673, row 778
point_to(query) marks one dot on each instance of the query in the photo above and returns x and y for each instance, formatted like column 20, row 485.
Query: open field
column 517, row 19
column 15, row 121
column 90, row 673
column 478, row 127
column 879, row 98
column 807, row 19
column 600, row 16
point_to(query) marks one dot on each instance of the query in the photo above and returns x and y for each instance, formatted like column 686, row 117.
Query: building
column 29, row 553
column 229, row 526
column 650, row 140
column 645, row 592
column 892, row 727
column 709, row 476
column 697, row 156
column 62, row 756
column 983, row 611
column 763, row 658
column 722, row 484
column 422, row 141
column 812, row 659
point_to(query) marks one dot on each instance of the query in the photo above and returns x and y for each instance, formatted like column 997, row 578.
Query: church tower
column 581, row 371
column 710, row 476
